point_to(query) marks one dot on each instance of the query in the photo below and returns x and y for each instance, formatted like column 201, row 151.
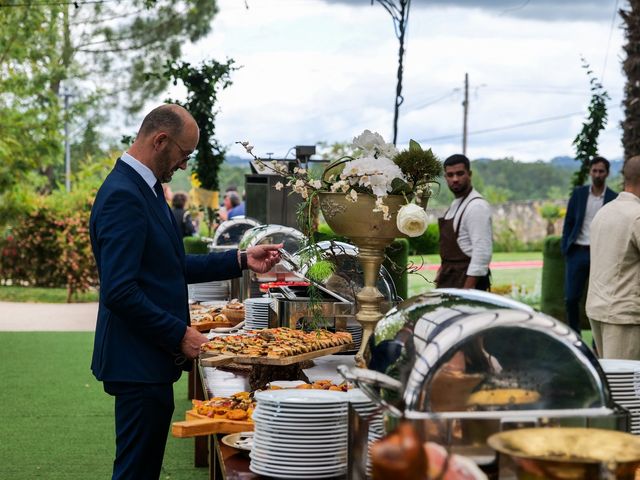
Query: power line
column 504, row 127
column 55, row 4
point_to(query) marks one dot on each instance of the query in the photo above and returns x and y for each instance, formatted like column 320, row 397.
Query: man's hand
column 191, row 342
column 262, row 258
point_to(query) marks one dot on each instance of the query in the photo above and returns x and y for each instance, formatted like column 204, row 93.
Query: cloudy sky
column 324, row 70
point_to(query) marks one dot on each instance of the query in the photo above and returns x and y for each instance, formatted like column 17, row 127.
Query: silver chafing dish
column 464, row 364
column 230, row 232
column 225, row 238
column 292, row 240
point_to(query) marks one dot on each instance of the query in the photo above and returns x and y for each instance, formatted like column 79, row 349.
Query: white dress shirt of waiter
column 613, row 299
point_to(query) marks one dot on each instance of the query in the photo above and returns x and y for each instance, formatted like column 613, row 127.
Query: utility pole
column 465, row 106
column 67, row 143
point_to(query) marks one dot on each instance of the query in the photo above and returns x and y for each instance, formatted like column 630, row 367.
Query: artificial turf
column 56, row 422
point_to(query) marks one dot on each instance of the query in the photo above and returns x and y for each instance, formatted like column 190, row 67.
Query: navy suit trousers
column 575, row 281
column 143, row 414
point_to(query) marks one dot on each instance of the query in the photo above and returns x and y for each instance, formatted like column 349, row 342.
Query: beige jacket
column 614, row 278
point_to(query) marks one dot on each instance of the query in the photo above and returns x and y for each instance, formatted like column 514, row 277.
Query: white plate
column 264, row 456
column 620, row 366
column 304, row 397
column 333, row 439
column 290, row 415
column 286, row 383
column 297, row 447
column 299, row 424
column 311, row 475
column 266, row 449
column 241, row 441
column 301, row 469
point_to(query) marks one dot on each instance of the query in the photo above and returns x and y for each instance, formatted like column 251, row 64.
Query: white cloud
column 313, row 70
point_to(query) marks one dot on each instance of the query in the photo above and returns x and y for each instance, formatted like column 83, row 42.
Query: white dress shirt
column 475, row 234
column 142, row 170
column 594, row 203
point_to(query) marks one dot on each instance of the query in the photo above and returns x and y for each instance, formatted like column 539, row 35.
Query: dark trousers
column 575, row 280
column 143, row 416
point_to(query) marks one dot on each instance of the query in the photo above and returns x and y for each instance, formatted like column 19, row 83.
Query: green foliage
column 552, row 294
column 505, row 238
column 517, row 180
column 586, row 142
column 47, row 243
column 195, row 245
column 321, row 270
column 203, row 83
column 427, row 243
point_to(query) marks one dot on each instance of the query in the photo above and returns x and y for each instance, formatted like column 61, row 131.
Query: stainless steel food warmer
column 292, row 241
column 463, row 364
column 230, row 232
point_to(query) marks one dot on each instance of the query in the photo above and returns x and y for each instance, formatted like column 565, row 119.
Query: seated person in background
column 237, row 205
column 182, row 215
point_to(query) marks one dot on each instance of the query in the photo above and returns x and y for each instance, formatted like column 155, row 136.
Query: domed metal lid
column 273, row 234
column 348, row 279
column 231, row 231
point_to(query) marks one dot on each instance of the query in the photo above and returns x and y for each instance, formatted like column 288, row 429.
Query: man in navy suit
column 584, row 203
column 143, row 337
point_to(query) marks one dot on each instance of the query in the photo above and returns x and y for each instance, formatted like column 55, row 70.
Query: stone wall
column 520, row 219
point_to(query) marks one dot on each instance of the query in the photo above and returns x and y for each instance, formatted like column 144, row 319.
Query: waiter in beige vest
column 466, row 237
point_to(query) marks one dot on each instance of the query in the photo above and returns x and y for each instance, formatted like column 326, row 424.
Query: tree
column 203, row 83
column 551, row 213
column 586, row 142
column 100, row 51
column 399, row 11
column 631, row 66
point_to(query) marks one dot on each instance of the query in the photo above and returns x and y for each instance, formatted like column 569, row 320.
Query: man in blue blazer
column 584, row 203
column 143, row 337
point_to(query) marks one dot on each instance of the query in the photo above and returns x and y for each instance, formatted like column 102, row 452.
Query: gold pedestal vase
column 371, row 233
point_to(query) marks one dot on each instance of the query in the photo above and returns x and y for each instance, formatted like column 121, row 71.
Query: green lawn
column 13, row 293
column 529, row 278
column 56, row 422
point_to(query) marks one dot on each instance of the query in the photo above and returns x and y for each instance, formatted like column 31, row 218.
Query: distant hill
column 569, row 163
column 235, row 161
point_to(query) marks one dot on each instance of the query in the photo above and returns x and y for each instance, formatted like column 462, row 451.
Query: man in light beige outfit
column 613, row 300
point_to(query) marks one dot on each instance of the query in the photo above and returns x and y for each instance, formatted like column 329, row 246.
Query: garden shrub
column 47, row 243
column 427, row 243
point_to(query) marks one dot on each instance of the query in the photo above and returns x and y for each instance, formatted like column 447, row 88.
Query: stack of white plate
column 221, row 383
column 210, row 291
column 256, row 313
column 369, row 411
column 624, row 381
column 300, row 434
column 355, row 329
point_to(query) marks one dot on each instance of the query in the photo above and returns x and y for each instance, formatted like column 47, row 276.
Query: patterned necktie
column 163, row 203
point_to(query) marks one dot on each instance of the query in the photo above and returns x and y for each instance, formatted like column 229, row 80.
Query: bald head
column 169, row 118
column 631, row 171
column 166, row 139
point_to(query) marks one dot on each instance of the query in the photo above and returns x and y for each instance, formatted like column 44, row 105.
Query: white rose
column 412, row 220
column 368, row 140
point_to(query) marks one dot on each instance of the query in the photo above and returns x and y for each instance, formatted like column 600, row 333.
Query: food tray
column 197, row 425
column 208, row 359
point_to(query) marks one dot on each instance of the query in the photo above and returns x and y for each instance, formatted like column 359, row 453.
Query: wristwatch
column 244, row 263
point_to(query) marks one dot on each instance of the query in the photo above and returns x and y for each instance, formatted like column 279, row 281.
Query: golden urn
column 371, row 233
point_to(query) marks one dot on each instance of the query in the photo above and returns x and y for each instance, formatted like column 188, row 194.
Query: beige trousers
column 616, row 341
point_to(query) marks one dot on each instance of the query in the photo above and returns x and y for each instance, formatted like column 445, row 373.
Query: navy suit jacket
column 575, row 214
column 143, row 312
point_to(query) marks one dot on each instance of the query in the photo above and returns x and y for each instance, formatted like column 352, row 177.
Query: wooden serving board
column 196, row 425
column 208, row 359
column 206, row 326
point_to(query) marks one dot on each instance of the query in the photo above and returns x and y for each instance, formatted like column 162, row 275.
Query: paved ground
column 48, row 317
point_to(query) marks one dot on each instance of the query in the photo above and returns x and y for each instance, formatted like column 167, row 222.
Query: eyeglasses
column 187, row 154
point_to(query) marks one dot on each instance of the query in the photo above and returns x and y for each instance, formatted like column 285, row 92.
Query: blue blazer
column 575, row 214
column 143, row 311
